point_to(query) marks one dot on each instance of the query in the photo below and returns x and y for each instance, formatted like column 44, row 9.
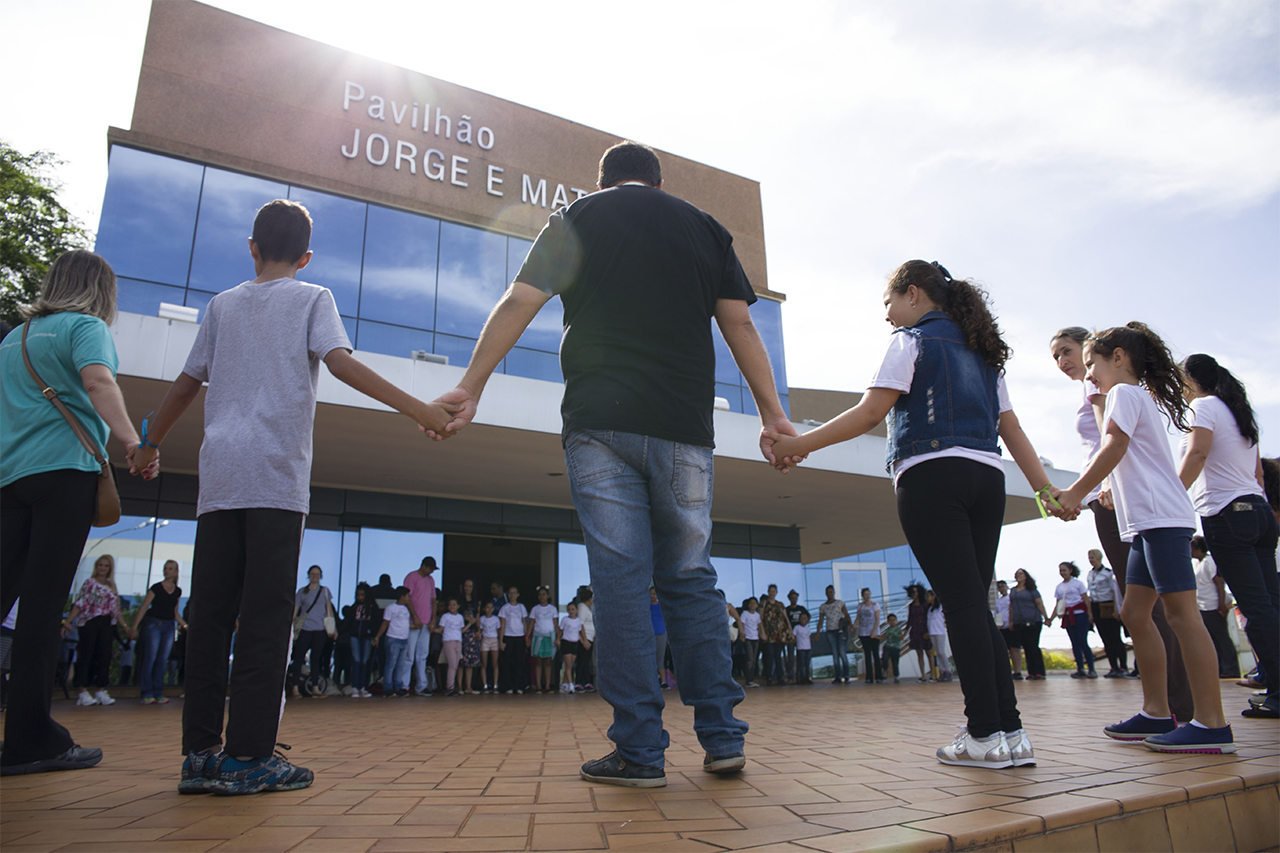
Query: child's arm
column 502, row 635
column 346, row 368
column 179, row 397
column 559, row 632
column 1114, row 445
column 382, row 629
column 862, row 418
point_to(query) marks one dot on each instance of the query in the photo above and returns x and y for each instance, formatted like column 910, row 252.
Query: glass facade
column 176, row 231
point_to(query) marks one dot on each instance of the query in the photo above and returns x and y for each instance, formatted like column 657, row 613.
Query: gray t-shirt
column 315, row 615
column 260, row 348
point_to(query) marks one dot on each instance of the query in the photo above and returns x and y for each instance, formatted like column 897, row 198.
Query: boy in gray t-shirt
column 259, row 348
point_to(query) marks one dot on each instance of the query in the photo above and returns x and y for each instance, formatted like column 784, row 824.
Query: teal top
column 893, row 637
column 34, row 437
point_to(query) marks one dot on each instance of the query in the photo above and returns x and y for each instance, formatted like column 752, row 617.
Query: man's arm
column 507, row 322
column 360, row 376
column 733, row 316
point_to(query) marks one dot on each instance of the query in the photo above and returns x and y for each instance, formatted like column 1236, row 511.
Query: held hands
column 143, row 460
column 461, row 404
column 433, row 419
column 776, row 438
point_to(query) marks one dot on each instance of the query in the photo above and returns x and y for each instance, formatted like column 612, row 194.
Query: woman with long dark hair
column 1074, row 607
column 943, row 379
column 1027, row 617
column 469, row 607
column 1222, row 468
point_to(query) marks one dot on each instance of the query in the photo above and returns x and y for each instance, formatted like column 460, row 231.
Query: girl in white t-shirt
column 572, row 641
column 489, row 648
column 450, row 626
column 545, row 634
column 1073, row 609
column 1223, row 469
column 1134, row 368
column 939, row 652
column 750, row 618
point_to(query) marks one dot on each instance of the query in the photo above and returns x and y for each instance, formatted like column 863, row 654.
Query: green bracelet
column 1043, row 491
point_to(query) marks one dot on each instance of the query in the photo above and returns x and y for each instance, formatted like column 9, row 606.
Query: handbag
column 330, row 626
column 1106, row 610
column 107, row 508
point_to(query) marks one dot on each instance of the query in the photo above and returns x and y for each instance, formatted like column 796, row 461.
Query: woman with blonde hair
column 48, row 487
column 96, row 613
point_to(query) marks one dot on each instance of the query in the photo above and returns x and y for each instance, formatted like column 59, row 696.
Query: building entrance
column 513, row 562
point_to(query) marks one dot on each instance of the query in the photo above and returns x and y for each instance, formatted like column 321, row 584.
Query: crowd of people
column 650, row 275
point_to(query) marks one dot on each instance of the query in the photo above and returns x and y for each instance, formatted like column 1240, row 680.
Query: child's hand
column 433, row 417
column 464, row 404
column 586, row 644
column 374, row 642
column 787, row 450
column 143, row 460
column 1069, row 501
column 502, row 647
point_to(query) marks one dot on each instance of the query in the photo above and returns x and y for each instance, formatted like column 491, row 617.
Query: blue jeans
column 418, row 644
column 157, row 642
column 360, row 649
column 645, row 509
column 397, row 666
column 1242, row 540
column 1079, row 634
column 839, row 642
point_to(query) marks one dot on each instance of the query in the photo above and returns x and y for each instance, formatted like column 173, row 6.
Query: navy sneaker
column 1138, row 728
column 724, row 763
column 613, row 769
column 231, row 776
column 195, row 778
column 1191, row 738
column 76, row 758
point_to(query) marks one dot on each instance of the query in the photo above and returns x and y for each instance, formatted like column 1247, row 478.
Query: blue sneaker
column 1138, row 728
column 195, row 778
column 1191, row 738
column 231, row 777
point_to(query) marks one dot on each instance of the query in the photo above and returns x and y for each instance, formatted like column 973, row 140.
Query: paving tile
column 1145, row 832
column 983, row 827
column 871, row 818
column 1138, row 796
column 1253, row 818
column 890, row 839
column 492, row 826
column 1199, row 783
column 1078, row 839
column 266, row 839
column 737, row 839
column 334, row 845
column 1064, row 810
column 1200, row 825
column 577, row 836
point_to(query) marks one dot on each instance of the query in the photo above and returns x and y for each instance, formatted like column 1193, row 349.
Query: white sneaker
column 350, row 691
column 104, row 698
column 1020, row 748
column 967, row 751
column 86, row 699
column 365, row 694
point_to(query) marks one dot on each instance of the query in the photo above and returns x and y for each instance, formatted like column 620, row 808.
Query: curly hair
column 1213, row 378
column 963, row 301
column 1152, row 363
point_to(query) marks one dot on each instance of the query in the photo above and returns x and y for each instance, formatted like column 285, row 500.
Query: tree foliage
column 34, row 226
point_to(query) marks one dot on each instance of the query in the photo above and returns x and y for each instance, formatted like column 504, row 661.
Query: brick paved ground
column 829, row 769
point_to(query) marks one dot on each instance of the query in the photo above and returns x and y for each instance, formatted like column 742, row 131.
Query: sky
column 1089, row 163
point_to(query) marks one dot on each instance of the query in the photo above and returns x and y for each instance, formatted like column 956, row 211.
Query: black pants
column 93, row 652
column 1228, row 660
column 1117, row 551
column 244, row 567
column 44, row 523
column 1028, row 634
column 804, row 672
column 1109, row 631
column 871, row 659
column 951, row 510
column 515, row 667
column 891, row 655
column 313, row 642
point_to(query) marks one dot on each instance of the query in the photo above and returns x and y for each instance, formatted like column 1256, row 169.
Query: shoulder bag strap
column 52, row 396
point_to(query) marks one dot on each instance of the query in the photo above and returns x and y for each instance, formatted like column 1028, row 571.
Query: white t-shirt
column 802, row 637
column 1230, row 470
column 452, row 624
column 1102, row 585
column 489, row 626
column 868, row 619
column 750, row 624
column 544, row 618
column 1145, row 484
column 398, row 616
column 260, row 348
column 514, row 615
column 896, row 372
column 1206, row 589
column 1087, row 429
column 1002, row 611
column 571, row 629
column 588, row 621
column 937, row 621
column 1072, row 592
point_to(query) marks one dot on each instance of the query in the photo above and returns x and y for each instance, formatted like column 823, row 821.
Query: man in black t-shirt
column 794, row 611
column 641, row 275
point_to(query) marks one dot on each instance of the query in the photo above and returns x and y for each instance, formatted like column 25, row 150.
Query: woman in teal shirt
column 48, row 488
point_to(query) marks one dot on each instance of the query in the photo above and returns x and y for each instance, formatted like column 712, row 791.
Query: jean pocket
column 1234, row 528
column 591, row 458
column 691, row 476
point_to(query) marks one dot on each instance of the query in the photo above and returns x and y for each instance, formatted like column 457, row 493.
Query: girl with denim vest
column 942, row 379
column 1134, row 368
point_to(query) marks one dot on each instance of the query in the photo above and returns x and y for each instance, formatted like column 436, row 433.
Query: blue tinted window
column 787, row 576
column 399, row 281
column 391, row 340
column 785, row 399
column 767, row 316
column 149, row 215
column 337, row 239
column 734, row 579
column 749, row 403
column 220, row 259
column 533, row 364
column 198, row 299
column 732, row 393
column 458, row 349
column 143, row 297
column 726, row 368
column 473, row 276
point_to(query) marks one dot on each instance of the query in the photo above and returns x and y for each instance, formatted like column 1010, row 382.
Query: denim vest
column 952, row 401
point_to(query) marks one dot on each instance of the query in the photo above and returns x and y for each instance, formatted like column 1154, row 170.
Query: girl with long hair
column 1027, row 617
column 1136, row 371
column 943, row 380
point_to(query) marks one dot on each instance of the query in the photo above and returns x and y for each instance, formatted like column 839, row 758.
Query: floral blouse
column 776, row 626
column 96, row 599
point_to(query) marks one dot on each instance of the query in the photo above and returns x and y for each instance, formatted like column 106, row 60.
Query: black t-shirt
column 164, row 604
column 639, row 272
column 794, row 612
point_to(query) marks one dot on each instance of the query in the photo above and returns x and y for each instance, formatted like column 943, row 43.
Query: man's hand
column 770, row 434
column 461, row 403
column 433, row 419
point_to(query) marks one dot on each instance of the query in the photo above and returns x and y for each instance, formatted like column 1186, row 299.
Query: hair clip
column 941, row 269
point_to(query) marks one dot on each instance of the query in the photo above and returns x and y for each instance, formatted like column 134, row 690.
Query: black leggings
column 93, row 652
column 1028, row 635
column 313, row 642
column 871, row 660
column 951, row 510
column 1109, row 631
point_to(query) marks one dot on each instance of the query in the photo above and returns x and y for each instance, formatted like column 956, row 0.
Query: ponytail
column 1151, row 362
column 963, row 301
column 1212, row 378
